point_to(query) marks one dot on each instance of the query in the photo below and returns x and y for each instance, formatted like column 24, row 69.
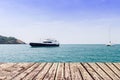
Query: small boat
column 46, row 43
column 109, row 44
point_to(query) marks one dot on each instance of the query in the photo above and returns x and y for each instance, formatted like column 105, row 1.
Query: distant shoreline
column 10, row 40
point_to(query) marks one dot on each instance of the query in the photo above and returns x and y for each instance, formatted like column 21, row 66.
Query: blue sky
column 69, row 21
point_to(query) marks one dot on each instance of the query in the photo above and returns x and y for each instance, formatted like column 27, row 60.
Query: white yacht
column 46, row 43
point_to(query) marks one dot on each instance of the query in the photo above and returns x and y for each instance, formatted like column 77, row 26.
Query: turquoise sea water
column 64, row 53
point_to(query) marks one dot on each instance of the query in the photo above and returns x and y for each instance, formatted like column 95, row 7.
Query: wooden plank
column 2, row 78
column 16, row 67
column 44, row 71
column 67, row 72
column 84, row 73
column 22, row 75
column 92, row 72
column 60, row 72
column 117, row 66
column 108, row 71
column 51, row 73
column 100, row 71
column 7, row 65
column 114, row 69
column 34, row 72
column 1, row 63
column 6, row 69
column 3, row 74
column 19, row 68
column 75, row 73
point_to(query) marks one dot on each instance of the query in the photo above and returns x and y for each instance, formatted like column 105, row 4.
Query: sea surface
column 64, row 53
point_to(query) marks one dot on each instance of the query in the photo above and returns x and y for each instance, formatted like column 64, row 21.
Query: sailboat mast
column 109, row 33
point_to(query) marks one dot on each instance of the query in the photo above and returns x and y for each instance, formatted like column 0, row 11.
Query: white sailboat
column 110, row 42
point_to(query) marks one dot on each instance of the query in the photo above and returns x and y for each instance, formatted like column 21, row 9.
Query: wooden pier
column 59, row 71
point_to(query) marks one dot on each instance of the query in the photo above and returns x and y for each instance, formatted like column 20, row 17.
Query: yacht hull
column 43, row 45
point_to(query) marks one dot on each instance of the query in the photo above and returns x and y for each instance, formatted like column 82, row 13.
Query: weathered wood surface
column 59, row 71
